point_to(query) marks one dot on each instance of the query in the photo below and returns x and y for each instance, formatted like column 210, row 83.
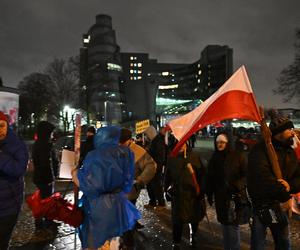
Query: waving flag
column 234, row 99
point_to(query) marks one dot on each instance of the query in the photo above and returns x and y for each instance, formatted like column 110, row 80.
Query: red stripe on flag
column 232, row 104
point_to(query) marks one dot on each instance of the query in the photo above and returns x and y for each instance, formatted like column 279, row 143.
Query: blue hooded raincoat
column 105, row 178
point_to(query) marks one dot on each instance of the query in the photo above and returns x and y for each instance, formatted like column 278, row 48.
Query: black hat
column 126, row 134
column 279, row 123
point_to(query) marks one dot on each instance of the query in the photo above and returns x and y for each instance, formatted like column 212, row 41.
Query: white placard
column 67, row 163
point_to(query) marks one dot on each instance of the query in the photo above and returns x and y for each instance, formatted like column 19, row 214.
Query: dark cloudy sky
column 261, row 33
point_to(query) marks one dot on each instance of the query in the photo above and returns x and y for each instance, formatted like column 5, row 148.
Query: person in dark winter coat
column 87, row 145
column 185, row 174
column 45, row 165
column 270, row 195
column 158, row 152
column 226, row 186
column 13, row 164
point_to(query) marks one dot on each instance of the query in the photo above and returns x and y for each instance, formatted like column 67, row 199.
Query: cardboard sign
column 67, row 164
column 141, row 126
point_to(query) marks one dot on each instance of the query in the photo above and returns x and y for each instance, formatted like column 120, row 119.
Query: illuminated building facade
column 101, row 74
column 160, row 91
column 118, row 87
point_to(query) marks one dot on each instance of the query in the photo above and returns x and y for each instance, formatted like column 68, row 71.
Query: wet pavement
column 157, row 233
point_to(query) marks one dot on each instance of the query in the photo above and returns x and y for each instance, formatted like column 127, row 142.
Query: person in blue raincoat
column 105, row 177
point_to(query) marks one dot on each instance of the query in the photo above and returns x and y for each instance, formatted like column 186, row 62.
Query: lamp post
column 105, row 112
column 85, row 73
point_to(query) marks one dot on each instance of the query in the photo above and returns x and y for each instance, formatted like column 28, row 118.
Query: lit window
column 131, row 64
column 135, row 71
column 149, row 74
column 139, row 77
column 135, row 58
column 113, row 66
column 131, row 78
column 208, row 84
column 131, row 71
column 173, row 80
column 131, row 58
column 199, row 65
column 163, row 93
column 139, row 71
column 139, row 65
column 199, row 80
column 199, row 72
column 135, row 64
column 166, row 73
column 174, row 86
column 134, row 78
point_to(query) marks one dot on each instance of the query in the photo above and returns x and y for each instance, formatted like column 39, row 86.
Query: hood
column 108, row 135
column 44, row 130
column 151, row 132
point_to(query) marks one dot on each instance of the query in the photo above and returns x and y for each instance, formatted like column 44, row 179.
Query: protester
column 185, row 174
column 45, row 167
column 144, row 171
column 226, row 186
column 88, row 144
column 157, row 150
column 270, row 195
column 105, row 177
column 13, row 163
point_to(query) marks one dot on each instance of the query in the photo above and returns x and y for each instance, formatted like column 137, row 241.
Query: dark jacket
column 158, row 151
column 44, row 159
column 13, row 164
column 226, row 182
column 187, row 206
column 262, row 184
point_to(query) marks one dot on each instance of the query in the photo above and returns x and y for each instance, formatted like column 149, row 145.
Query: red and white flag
column 234, row 99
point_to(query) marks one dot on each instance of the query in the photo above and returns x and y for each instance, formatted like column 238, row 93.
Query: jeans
column 280, row 235
column 231, row 237
column 155, row 190
column 7, row 225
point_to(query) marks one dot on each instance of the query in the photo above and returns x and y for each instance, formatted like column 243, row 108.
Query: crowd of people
column 113, row 169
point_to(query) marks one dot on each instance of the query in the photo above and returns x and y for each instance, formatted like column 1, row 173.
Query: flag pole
column 266, row 133
column 77, row 135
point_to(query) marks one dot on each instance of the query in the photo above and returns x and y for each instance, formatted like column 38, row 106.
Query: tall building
column 119, row 87
column 160, row 91
column 101, row 73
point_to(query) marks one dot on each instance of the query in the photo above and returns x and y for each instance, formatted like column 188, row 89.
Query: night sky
column 261, row 33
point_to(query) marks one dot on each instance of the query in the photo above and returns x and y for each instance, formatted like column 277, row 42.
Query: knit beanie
column 279, row 123
column 126, row 134
column 3, row 117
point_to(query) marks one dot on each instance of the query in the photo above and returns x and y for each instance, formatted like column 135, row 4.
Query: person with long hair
column 226, row 187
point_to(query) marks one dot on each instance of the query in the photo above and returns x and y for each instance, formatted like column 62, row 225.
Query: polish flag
column 296, row 146
column 234, row 99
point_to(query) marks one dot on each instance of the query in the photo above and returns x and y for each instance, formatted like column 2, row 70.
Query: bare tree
column 34, row 99
column 65, row 87
column 289, row 78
